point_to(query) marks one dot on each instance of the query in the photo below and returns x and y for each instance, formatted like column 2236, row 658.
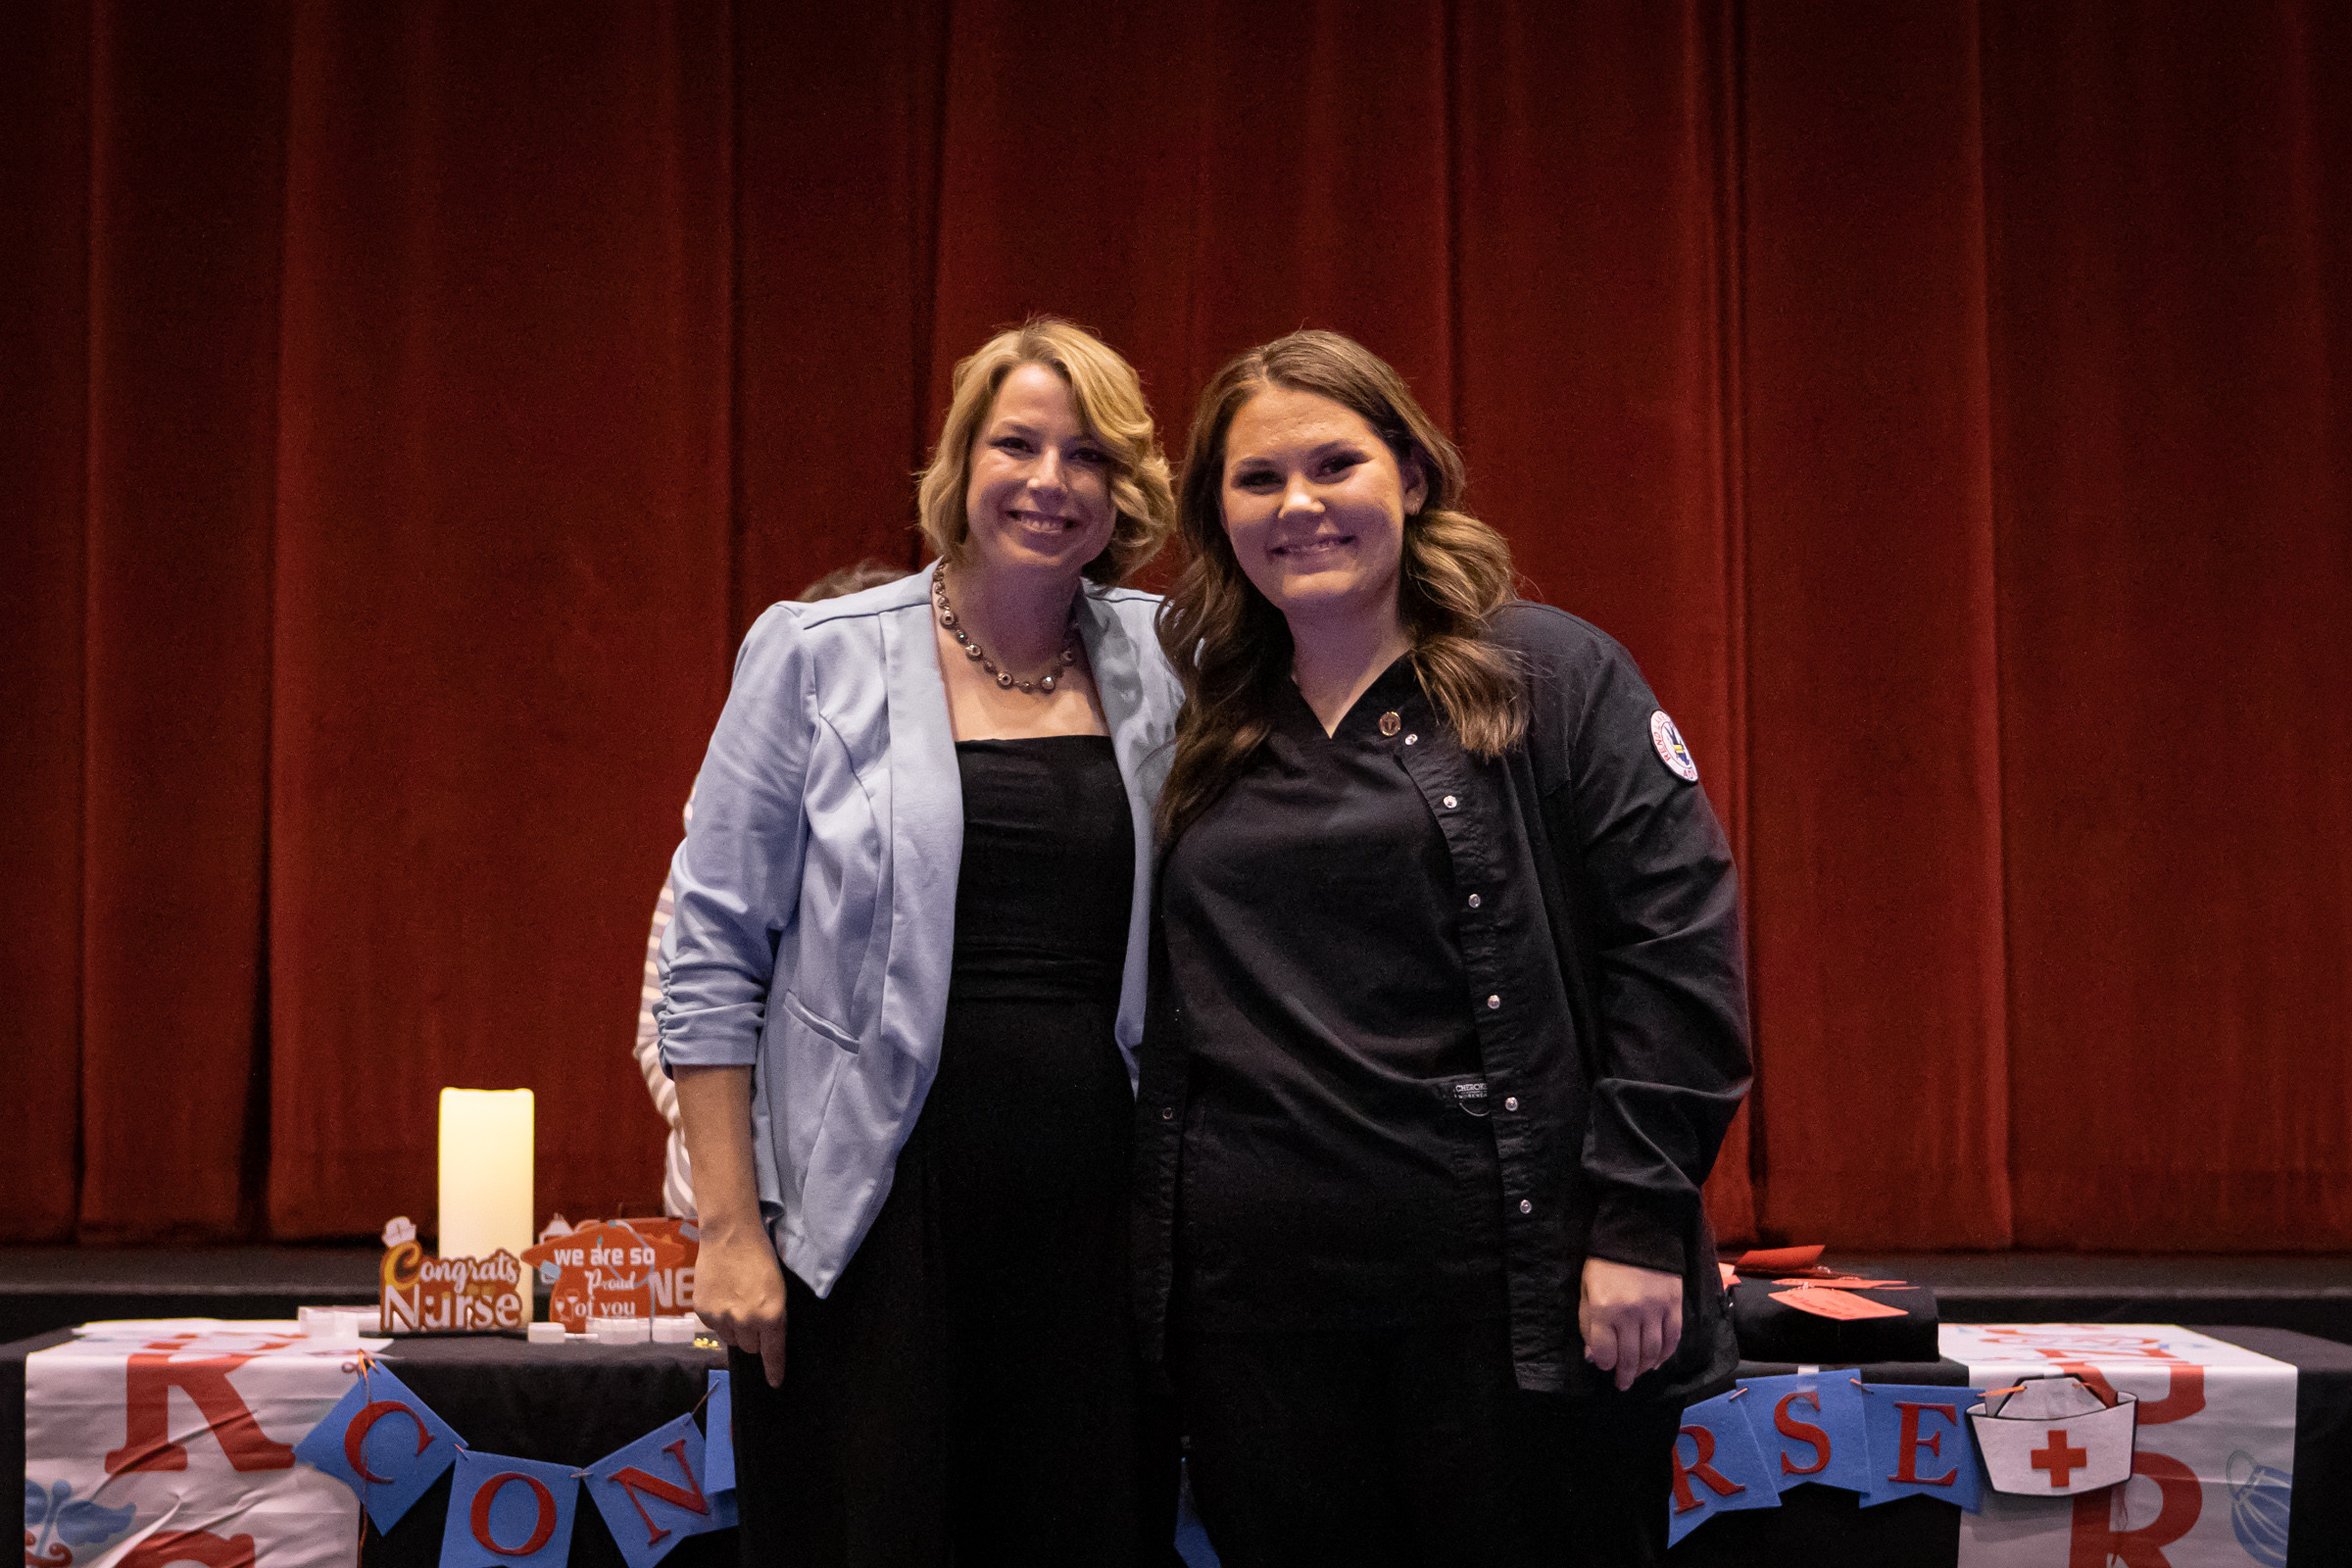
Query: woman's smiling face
column 1039, row 496
column 1315, row 506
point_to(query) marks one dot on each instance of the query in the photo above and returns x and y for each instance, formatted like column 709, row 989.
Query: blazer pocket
column 819, row 1026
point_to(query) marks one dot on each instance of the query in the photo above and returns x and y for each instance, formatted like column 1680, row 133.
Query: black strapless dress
column 968, row 1395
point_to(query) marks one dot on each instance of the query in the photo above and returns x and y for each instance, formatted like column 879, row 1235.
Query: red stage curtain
column 1944, row 403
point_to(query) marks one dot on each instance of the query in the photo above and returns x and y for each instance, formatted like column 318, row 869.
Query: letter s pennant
column 383, row 1442
column 656, row 1492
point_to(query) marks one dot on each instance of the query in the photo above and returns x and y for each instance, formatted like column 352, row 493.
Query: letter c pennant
column 383, row 1442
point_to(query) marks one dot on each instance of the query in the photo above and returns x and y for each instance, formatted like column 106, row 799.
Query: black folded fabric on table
column 1772, row 1330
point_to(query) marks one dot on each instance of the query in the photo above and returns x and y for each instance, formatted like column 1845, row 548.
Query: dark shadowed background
column 407, row 407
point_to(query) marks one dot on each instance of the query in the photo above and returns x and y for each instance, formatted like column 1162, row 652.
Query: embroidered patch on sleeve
column 1671, row 750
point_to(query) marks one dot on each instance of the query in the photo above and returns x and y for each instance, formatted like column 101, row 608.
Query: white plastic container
column 620, row 1331
column 341, row 1325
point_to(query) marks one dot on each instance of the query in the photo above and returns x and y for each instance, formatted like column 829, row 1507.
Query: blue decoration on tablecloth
column 1831, row 1405
column 1718, row 1466
column 1940, row 1456
column 403, row 1449
column 525, row 1506
column 718, row 1425
column 656, row 1492
column 69, row 1520
column 2260, row 1498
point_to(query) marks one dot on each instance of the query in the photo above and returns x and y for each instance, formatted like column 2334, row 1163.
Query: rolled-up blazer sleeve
column 1671, row 1062
column 735, row 880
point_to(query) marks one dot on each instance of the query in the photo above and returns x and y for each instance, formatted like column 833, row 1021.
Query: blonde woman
column 1450, row 1019
column 902, row 989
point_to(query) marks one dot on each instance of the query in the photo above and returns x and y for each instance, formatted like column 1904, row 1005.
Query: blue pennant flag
column 718, row 1423
column 1718, row 1466
column 1920, row 1445
column 1810, row 1429
column 383, row 1442
column 508, row 1513
column 655, row 1492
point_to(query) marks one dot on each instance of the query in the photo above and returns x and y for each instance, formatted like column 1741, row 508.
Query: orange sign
column 425, row 1295
column 608, row 1269
column 673, row 1283
column 1843, row 1305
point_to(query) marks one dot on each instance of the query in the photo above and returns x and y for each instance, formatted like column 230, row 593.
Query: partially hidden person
column 902, row 989
column 677, row 1177
column 1449, row 1018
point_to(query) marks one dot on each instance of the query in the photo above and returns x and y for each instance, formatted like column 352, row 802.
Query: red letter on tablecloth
column 167, row 1547
column 355, row 1437
column 149, row 1378
column 1909, row 1443
column 633, row 1480
column 1717, row 1482
column 2184, row 1390
column 540, row 1530
column 1803, row 1431
column 2097, row 1543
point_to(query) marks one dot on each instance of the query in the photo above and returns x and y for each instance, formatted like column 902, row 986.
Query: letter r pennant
column 1718, row 1466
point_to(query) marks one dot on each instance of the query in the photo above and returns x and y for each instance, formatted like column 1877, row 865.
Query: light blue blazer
column 816, row 889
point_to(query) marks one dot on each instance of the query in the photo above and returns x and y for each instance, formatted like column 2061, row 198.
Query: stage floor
column 43, row 1288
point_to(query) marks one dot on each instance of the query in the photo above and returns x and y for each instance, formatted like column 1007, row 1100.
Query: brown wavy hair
column 1231, row 646
column 1110, row 403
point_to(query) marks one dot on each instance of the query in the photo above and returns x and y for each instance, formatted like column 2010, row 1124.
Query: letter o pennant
column 504, row 1511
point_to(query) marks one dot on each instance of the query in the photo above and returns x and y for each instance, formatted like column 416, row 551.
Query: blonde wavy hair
column 1231, row 646
column 1110, row 404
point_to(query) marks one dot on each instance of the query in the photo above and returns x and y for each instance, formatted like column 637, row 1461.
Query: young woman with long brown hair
column 1448, row 1021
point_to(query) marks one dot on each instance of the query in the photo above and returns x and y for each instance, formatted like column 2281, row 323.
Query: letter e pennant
column 1919, row 1444
column 655, row 1492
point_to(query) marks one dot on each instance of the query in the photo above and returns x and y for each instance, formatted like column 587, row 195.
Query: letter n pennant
column 383, row 1442
column 1717, row 1466
column 656, row 1492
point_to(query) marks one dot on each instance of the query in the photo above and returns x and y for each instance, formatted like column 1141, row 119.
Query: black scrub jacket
column 1607, row 983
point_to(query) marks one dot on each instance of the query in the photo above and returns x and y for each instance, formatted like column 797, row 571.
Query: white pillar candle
column 486, row 1149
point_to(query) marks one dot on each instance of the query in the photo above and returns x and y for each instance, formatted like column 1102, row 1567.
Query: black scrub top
column 1338, row 1169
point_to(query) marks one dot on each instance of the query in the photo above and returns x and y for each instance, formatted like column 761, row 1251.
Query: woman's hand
column 739, row 1294
column 1631, row 1317
column 738, row 1284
